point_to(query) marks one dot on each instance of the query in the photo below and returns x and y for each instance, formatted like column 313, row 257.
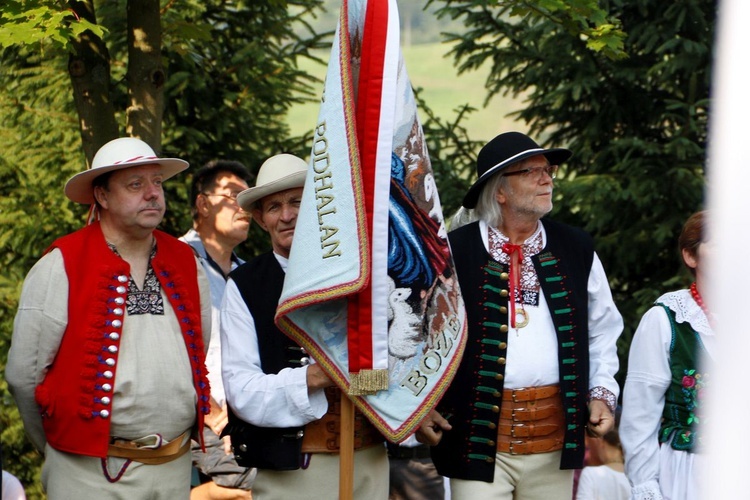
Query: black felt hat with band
column 503, row 151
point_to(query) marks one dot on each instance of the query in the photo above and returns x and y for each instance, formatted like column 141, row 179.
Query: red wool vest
column 75, row 397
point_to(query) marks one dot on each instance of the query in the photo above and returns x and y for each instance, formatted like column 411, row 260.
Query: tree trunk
column 89, row 72
column 146, row 75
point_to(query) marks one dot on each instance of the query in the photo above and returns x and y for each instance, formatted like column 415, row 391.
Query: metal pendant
column 524, row 318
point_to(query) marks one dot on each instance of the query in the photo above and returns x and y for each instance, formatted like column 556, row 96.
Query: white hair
column 488, row 209
column 462, row 217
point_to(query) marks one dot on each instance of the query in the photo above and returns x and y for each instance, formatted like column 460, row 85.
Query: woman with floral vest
column 662, row 420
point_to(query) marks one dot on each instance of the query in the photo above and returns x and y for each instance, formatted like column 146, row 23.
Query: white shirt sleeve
column 37, row 333
column 586, row 483
column 643, row 401
column 265, row 400
column 605, row 327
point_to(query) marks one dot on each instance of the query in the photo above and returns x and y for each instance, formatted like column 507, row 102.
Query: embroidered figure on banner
column 418, row 261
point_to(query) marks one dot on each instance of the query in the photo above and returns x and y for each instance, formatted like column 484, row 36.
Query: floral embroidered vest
column 682, row 407
column 75, row 397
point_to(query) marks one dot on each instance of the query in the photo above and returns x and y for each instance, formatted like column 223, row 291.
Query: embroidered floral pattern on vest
column 692, row 388
column 693, row 384
column 682, row 418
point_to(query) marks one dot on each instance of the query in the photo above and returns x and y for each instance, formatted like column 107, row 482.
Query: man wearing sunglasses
column 219, row 225
column 541, row 355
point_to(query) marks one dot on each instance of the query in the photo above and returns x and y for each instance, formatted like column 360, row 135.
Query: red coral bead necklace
column 698, row 299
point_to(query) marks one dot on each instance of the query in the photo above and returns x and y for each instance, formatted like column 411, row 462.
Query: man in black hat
column 539, row 366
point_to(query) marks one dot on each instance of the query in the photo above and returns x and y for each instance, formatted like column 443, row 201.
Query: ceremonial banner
column 370, row 291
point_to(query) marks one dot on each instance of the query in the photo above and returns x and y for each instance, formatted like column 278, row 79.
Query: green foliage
column 231, row 87
column 40, row 149
column 418, row 22
column 452, row 154
column 584, row 20
column 232, row 73
column 39, row 22
column 637, row 125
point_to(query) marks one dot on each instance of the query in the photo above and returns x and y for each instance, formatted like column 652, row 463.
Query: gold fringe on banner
column 368, row 382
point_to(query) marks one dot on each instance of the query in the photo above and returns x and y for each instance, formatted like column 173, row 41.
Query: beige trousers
column 520, row 477
column 320, row 481
column 66, row 476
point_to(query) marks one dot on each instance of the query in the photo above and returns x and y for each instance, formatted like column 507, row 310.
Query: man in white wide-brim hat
column 107, row 358
column 284, row 412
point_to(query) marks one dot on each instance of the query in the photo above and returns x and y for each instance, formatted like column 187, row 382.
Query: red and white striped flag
column 371, row 290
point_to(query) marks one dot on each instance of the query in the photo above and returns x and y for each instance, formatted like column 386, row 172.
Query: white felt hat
column 278, row 173
column 115, row 155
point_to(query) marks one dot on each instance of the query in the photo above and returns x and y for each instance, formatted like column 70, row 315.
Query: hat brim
column 80, row 189
column 555, row 156
column 249, row 196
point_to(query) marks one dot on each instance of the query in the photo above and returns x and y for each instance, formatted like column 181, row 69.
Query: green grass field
column 442, row 89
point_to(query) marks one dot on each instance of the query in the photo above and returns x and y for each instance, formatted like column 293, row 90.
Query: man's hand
column 601, row 420
column 212, row 491
column 227, row 443
column 317, row 378
column 431, row 430
column 218, row 418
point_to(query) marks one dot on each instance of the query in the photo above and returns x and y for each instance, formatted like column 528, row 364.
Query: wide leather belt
column 530, row 447
column 322, row 436
column 530, row 393
column 523, row 429
column 139, row 452
column 532, row 420
column 527, row 414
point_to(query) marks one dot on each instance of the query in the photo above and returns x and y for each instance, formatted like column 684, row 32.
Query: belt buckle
column 513, row 428
column 513, row 394
column 510, row 447
column 513, row 413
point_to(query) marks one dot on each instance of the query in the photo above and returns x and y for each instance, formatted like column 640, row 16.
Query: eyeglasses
column 230, row 197
column 534, row 172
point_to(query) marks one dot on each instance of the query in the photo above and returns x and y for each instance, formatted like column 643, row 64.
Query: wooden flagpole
column 346, row 449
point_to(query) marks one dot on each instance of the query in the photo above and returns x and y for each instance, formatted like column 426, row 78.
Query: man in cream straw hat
column 280, row 419
column 541, row 355
column 107, row 357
